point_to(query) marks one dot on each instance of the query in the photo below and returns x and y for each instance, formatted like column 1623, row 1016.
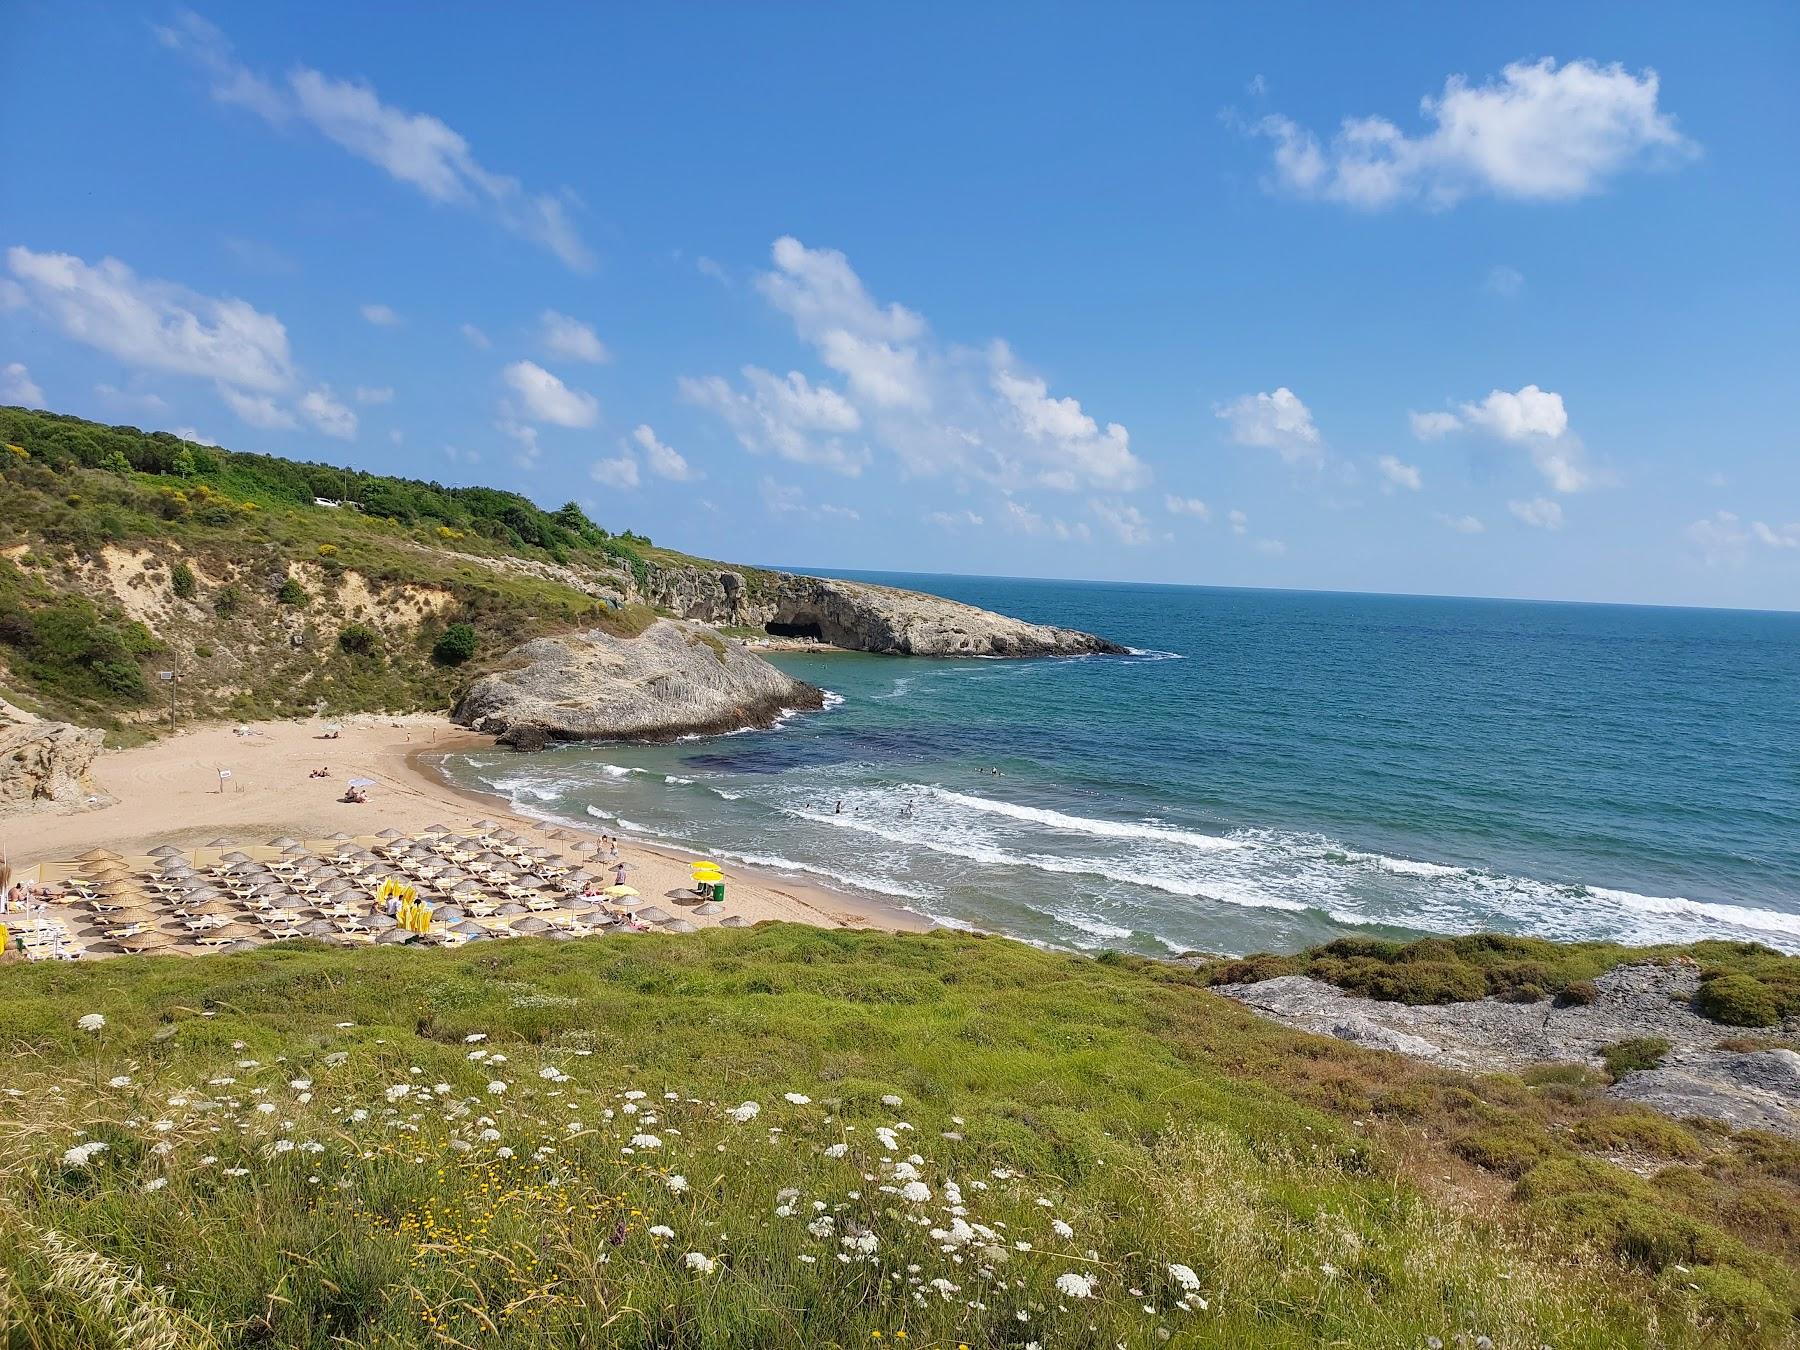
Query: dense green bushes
column 1738, row 1001
column 1640, row 1052
column 455, row 646
column 69, row 646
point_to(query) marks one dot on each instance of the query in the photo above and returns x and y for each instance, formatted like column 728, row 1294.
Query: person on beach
column 619, row 873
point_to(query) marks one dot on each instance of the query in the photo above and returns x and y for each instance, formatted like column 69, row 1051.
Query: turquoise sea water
column 1272, row 769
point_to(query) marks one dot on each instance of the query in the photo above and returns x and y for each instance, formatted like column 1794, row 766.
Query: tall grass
column 774, row 1137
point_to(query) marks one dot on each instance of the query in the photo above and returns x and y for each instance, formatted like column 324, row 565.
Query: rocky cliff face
column 856, row 615
column 44, row 764
column 674, row 679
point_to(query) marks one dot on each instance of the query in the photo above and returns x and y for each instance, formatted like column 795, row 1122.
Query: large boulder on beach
column 672, row 679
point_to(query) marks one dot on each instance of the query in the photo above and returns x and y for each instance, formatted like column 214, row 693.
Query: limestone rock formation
column 1758, row 1089
column 673, row 679
column 857, row 615
column 44, row 764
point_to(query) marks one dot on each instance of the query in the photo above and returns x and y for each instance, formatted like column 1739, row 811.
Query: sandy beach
column 171, row 792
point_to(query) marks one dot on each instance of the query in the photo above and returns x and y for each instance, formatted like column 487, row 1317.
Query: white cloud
column 1533, row 418
column 954, row 520
column 382, row 316
column 1777, row 536
column 1399, row 474
column 1080, row 451
column 127, row 398
column 545, row 398
column 323, row 410
column 791, row 417
column 195, row 435
column 1461, row 524
column 571, row 338
column 1506, row 281
column 155, row 325
column 1725, row 539
column 458, row 456
column 17, row 386
column 413, row 148
column 664, row 460
column 1278, row 422
column 785, row 499
column 257, row 410
column 475, row 337
column 381, row 394
column 1273, row 547
column 525, row 437
column 1240, row 523
column 940, row 409
column 1431, row 426
column 1125, row 521
column 1187, row 506
column 617, row 473
column 1021, row 519
column 707, row 267
column 1539, row 133
column 1539, row 512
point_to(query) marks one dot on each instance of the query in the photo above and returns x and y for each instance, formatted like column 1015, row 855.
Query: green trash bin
column 719, row 892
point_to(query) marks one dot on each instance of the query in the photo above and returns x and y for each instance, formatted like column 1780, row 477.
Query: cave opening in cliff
column 810, row 631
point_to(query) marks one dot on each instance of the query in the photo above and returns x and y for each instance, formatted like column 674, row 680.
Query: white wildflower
column 915, row 1192
column 81, row 1154
column 474, row 1036
column 822, row 1226
column 1061, row 1229
column 1185, row 1277
column 700, row 1263
column 645, row 1141
column 496, row 1088
column 635, row 1095
column 300, row 1084
column 397, row 1091
column 156, row 1183
column 890, row 1100
column 746, row 1112
column 661, row 1230
column 837, row 1150
column 1071, row 1285
column 798, row 1098
column 237, row 1171
column 121, row 1080
column 90, row 1022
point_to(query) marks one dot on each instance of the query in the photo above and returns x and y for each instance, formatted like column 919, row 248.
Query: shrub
column 1738, row 1001
column 455, row 646
column 229, row 601
column 1637, row 1131
column 1511, row 1151
column 181, row 581
column 292, row 593
column 1641, row 1052
column 1578, row 994
column 328, row 550
column 359, row 639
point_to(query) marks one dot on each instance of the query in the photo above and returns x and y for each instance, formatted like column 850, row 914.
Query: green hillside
column 123, row 552
column 521, row 1144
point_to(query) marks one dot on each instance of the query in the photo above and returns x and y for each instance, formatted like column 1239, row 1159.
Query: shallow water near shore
column 1269, row 769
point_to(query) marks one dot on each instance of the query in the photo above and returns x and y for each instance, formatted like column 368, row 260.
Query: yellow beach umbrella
column 707, row 874
column 617, row 891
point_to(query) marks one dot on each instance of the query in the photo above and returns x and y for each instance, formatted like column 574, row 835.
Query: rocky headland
column 674, row 678
column 855, row 615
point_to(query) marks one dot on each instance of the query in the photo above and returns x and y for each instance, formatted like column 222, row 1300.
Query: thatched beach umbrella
column 679, row 926
column 654, row 914
column 166, row 851
column 393, row 937
column 98, row 855
column 735, row 921
column 529, row 924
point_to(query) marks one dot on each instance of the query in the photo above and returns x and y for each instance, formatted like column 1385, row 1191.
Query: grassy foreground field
column 787, row 1136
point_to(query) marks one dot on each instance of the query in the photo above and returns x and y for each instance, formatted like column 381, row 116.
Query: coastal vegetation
column 122, row 550
column 1742, row 984
column 786, row 1136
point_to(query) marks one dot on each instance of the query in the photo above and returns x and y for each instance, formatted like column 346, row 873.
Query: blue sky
column 1496, row 302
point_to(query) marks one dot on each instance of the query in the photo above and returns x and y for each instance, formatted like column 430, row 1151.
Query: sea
column 1265, row 770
